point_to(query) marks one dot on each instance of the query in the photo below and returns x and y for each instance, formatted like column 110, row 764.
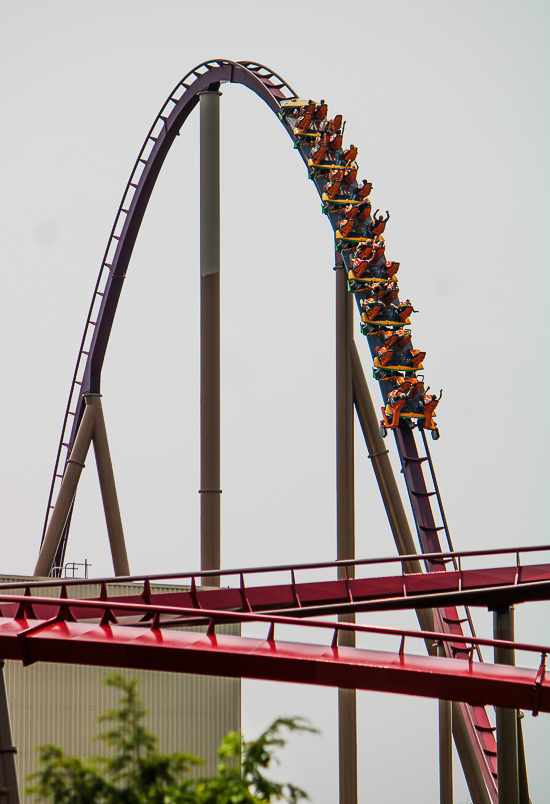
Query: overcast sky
column 447, row 103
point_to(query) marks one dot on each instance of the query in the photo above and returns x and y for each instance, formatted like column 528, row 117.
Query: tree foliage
column 137, row 773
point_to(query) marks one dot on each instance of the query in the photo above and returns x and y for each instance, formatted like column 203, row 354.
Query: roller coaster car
column 332, row 204
column 376, row 314
column 355, row 220
column 317, row 169
column 373, row 265
column 364, row 284
column 337, row 193
column 398, row 340
column 344, row 243
column 396, row 354
column 332, row 195
column 387, row 291
column 399, row 406
column 391, row 359
column 311, row 120
column 291, row 108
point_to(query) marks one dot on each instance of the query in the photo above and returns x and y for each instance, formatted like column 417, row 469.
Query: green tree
column 137, row 773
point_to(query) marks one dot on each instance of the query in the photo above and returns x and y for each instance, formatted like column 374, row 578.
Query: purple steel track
column 173, row 114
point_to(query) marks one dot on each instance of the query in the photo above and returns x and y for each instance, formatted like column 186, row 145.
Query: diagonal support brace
column 92, row 428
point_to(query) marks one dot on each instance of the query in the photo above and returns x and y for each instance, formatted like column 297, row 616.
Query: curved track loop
column 180, row 103
column 87, row 375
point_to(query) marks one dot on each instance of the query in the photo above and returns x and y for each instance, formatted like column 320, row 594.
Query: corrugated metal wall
column 60, row 704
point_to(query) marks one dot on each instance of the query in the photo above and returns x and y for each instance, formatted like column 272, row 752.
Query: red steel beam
column 212, row 654
column 324, row 593
column 439, row 557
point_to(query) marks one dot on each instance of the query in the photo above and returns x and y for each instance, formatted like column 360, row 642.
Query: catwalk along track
column 366, row 275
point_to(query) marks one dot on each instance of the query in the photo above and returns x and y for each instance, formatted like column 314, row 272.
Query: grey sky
column 447, row 104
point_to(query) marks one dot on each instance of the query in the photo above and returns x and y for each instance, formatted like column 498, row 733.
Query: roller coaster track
column 174, row 112
column 358, row 591
column 62, row 639
column 87, row 375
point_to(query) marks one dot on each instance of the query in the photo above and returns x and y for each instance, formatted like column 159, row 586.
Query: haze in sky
column 447, row 103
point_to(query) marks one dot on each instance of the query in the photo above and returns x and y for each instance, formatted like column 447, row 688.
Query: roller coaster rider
column 333, row 187
column 361, row 191
column 333, row 126
column 378, row 266
column 388, row 291
column 345, row 156
column 404, row 309
column 320, row 114
column 379, row 224
column 319, row 153
column 356, row 220
column 396, row 352
column 429, row 404
column 360, row 259
column 306, row 117
column 370, row 274
column 349, row 182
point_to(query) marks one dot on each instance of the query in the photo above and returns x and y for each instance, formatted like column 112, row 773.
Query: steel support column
column 8, row 771
column 522, row 766
column 345, row 521
column 445, row 746
column 507, row 727
column 108, row 488
column 345, row 503
column 69, row 484
column 92, row 428
column 210, row 331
